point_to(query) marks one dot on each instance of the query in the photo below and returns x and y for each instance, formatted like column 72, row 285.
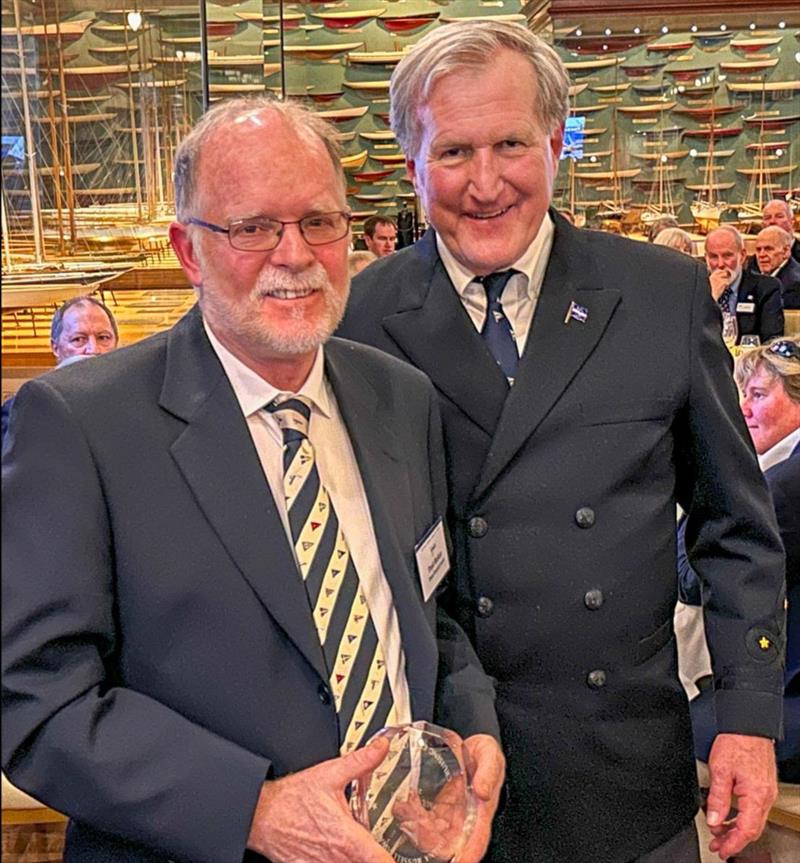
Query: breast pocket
column 626, row 411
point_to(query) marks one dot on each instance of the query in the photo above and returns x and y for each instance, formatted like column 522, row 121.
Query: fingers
column 487, row 764
column 478, row 841
column 339, row 772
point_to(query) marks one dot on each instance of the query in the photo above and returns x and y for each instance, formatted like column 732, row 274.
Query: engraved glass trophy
column 418, row 803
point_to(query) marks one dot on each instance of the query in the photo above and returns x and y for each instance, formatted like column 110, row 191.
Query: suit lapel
column 386, row 483
column 216, row 456
column 434, row 331
column 556, row 349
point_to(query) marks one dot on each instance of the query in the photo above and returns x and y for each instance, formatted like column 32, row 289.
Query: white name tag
column 746, row 308
column 433, row 561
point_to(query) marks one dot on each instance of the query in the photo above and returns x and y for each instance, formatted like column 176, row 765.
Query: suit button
column 593, row 598
column 478, row 527
column 584, row 517
column 485, row 607
column 596, row 678
column 324, row 693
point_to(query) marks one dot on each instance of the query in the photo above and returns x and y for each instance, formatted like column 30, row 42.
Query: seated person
column 81, row 327
column 769, row 381
column 674, row 238
column 359, row 260
column 773, row 258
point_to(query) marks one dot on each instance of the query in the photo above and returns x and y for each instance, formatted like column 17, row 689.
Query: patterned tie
column 496, row 330
column 724, row 301
column 353, row 654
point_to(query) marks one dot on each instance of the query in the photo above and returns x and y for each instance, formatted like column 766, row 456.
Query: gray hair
column 674, row 238
column 304, row 121
column 786, row 206
column 732, row 232
column 779, row 236
column 57, row 324
column 470, row 45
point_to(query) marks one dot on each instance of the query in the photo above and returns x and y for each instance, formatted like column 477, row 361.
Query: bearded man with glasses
column 211, row 596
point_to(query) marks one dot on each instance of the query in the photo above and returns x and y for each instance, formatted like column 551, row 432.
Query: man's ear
column 184, row 248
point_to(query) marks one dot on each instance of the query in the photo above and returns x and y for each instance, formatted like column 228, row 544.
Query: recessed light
column 665, row 29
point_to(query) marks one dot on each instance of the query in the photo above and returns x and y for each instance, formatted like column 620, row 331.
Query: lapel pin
column 576, row 313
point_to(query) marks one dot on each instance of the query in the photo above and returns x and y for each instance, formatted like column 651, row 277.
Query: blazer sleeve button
column 593, row 599
column 478, row 527
column 584, row 517
column 485, row 606
column 596, row 679
column 324, row 693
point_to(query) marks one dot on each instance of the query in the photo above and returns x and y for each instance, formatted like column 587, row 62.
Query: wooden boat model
column 771, row 121
column 623, row 174
column 653, row 137
column 611, row 88
column 690, row 73
column 373, row 176
column 372, row 197
column 95, row 98
column 369, row 86
column 227, row 89
column 350, row 18
column 161, row 84
column 769, row 145
column 378, row 136
column 765, row 87
column 669, row 46
column 99, row 77
column 661, row 88
column 378, row 58
column 591, row 65
column 321, row 52
column 96, row 117
column 716, row 131
column 236, row 61
column 48, row 170
column 711, row 40
column 710, row 187
column 768, row 172
column 650, row 108
column 407, row 23
column 67, row 30
column 754, row 43
column 578, row 110
column 343, row 115
column 576, row 89
column 740, row 66
column 706, row 112
column 323, row 98
column 722, row 154
column 389, row 158
column 599, row 42
column 642, row 70
column 671, row 155
column 511, row 16
column 354, row 162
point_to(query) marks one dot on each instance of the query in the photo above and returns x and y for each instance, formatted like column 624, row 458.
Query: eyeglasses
column 262, row 234
column 785, row 348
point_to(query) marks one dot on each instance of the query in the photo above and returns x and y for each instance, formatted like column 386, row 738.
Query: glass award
column 418, row 803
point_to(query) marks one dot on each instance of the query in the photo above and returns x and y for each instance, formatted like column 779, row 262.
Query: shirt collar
column 253, row 392
column 780, row 452
column 531, row 264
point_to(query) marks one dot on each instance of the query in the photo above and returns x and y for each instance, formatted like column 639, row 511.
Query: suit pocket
column 626, row 411
column 649, row 646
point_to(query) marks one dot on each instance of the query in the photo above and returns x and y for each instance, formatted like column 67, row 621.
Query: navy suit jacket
column 159, row 658
column 761, row 295
column 788, row 276
column 563, row 494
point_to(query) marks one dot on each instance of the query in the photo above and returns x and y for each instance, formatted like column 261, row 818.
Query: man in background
column 213, row 590
column 754, row 299
column 81, row 327
column 773, row 258
column 778, row 212
column 380, row 236
column 585, row 389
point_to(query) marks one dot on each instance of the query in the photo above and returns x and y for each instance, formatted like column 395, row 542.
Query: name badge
column 746, row 308
column 433, row 561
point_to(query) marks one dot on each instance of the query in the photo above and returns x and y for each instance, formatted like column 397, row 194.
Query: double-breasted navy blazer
column 563, row 493
column 159, row 658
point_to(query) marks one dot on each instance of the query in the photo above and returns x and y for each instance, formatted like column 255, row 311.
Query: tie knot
column 495, row 283
column 292, row 415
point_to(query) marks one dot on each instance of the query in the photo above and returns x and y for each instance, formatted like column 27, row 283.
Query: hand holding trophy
column 418, row 803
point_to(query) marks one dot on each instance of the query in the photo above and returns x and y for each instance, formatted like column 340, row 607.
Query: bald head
column 773, row 247
column 778, row 212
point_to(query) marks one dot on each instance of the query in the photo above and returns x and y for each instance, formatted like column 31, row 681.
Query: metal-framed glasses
column 262, row 234
column 786, row 349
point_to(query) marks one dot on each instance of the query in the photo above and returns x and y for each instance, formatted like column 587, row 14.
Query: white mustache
column 273, row 279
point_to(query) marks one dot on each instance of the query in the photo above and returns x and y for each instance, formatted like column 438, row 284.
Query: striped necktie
column 353, row 655
column 496, row 331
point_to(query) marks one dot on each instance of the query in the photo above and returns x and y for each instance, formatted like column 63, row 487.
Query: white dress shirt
column 339, row 473
column 780, row 451
column 520, row 294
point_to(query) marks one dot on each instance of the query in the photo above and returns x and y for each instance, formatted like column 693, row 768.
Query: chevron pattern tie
column 353, row 655
column 724, row 301
column 496, row 331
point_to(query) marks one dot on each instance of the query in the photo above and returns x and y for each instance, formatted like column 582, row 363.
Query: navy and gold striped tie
column 353, row 655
